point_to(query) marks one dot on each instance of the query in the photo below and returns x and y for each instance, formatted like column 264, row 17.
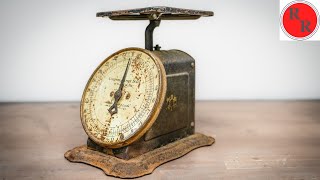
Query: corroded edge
column 162, row 12
column 155, row 109
column 141, row 165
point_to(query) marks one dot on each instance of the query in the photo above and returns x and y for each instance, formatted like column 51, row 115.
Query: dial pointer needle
column 117, row 95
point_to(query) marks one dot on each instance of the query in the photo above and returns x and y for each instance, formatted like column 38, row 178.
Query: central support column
column 149, row 34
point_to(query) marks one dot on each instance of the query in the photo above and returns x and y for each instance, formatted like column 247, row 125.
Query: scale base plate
column 141, row 165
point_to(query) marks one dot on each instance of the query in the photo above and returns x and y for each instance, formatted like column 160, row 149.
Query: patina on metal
column 172, row 134
column 153, row 13
column 171, row 124
column 149, row 34
column 141, row 165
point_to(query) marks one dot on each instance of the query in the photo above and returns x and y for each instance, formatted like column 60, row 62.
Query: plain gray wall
column 48, row 49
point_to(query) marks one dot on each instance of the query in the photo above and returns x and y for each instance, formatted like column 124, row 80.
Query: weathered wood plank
column 254, row 140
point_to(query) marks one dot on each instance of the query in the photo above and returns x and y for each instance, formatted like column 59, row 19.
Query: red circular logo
column 299, row 20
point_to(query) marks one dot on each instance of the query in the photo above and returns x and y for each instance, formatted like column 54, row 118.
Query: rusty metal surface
column 179, row 106
column 153, row 111
column 141, row 165
column 152, row 13
column 176, row 118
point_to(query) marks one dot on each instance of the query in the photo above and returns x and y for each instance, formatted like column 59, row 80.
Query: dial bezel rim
column 156, row 107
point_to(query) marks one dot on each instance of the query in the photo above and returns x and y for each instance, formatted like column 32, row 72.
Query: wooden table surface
column 254, row 140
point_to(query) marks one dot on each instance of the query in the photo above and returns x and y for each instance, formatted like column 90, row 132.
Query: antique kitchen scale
column 138, row 106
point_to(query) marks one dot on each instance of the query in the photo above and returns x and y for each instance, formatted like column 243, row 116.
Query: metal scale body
column 176, row 119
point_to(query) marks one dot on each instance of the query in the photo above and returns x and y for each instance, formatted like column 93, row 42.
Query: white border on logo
column 288, row 34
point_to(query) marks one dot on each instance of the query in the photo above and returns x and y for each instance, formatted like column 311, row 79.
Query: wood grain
column 254, row 140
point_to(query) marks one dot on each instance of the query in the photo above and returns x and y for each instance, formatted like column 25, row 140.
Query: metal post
column 149, row 34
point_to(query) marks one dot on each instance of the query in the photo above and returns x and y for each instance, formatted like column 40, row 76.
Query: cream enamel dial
column 123, row 97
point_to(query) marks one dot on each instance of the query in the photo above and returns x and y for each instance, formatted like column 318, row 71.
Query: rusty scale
column 138, row 107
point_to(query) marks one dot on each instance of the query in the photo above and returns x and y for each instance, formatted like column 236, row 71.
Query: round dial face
column 123, row 97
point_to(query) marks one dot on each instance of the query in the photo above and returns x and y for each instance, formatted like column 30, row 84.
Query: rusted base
column 141, row 165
